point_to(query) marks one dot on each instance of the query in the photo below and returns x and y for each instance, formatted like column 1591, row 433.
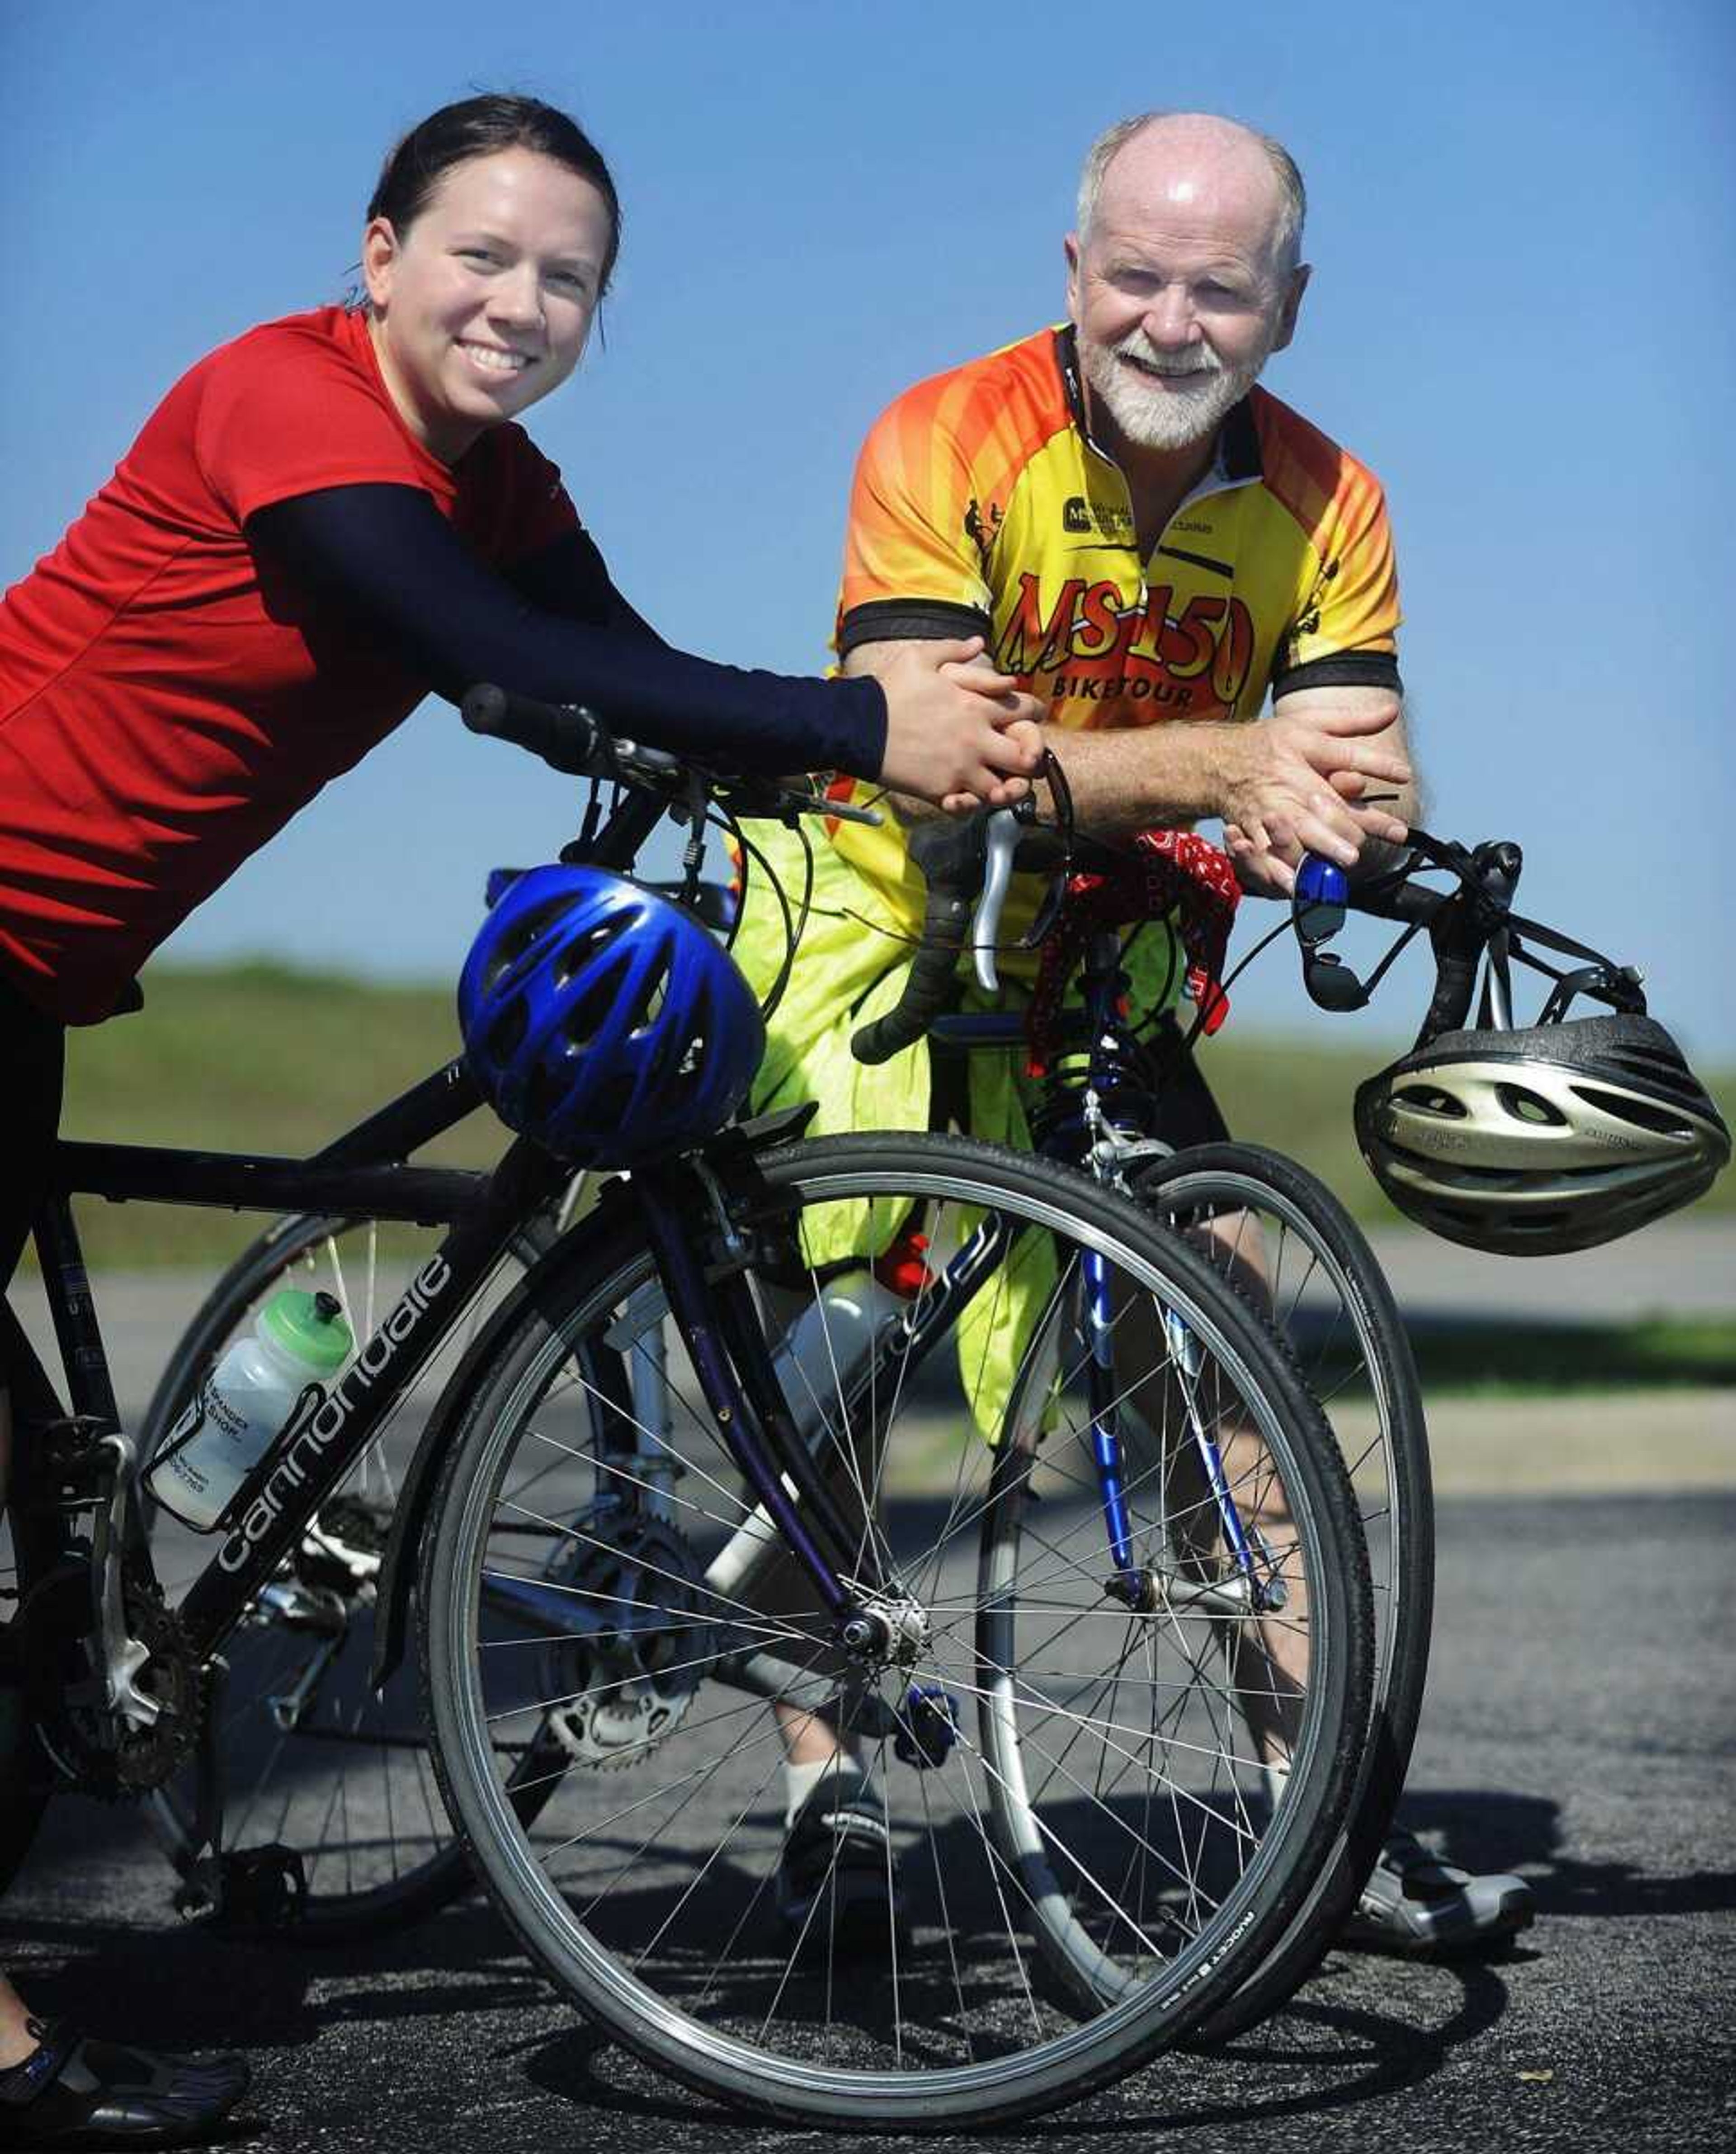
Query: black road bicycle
column 1006, row 1552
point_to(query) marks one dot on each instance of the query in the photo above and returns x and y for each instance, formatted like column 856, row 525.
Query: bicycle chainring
column 626, row 1689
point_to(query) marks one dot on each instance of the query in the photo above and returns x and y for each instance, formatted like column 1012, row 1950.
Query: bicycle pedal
column 255, row 1888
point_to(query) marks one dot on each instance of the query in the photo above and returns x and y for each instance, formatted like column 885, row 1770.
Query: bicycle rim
column 1273, row 1223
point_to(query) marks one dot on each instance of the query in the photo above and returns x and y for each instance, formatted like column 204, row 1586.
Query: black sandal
column 74, row 2090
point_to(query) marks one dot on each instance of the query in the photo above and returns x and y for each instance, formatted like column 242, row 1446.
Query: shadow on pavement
column 1483, row 1829
column 1346, row 2055
column 193, row 1988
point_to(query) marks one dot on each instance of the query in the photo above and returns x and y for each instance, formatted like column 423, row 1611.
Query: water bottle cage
column 308, row 1401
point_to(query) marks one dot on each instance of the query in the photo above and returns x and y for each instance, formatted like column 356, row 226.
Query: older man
column 1152, row 545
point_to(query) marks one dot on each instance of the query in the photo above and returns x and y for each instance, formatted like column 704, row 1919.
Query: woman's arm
column 384, row 554
column 571, row 578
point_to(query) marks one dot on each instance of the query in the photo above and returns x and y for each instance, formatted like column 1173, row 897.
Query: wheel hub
column 887, row 1631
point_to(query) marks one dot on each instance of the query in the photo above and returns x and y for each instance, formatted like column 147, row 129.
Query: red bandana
column 1166, row 873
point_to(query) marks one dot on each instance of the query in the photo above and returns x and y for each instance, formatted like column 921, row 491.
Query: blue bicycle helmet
column 604, row 1021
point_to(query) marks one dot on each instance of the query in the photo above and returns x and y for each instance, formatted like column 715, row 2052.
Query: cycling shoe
column 1418, row 1907
column 837, row 1882
column 75, row 2092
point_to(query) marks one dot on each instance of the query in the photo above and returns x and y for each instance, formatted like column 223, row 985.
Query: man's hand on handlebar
column 1296, row 784
column 957, row 733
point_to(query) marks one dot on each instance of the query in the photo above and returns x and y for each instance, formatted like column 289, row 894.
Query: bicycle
column 589, row 1588
column 1261, row 1217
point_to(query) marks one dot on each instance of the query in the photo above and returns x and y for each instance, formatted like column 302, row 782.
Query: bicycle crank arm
column 122, row 1654
column 556, row 1611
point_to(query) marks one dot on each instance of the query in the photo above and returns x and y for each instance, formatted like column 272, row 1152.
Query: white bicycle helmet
column 1545, row 1139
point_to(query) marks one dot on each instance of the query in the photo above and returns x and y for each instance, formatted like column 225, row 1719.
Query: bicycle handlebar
column 951, row 856
column 566, row 735
column 574, row 740
column 962, row 859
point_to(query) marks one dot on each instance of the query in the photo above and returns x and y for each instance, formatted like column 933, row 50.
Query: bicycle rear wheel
column 1265, row 1221
column 582, row 1611
column 316, row 1762
column 44, row 1587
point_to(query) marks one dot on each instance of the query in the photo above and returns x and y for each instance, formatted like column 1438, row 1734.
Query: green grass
column 1532, row 1359
column 254, row 1058
column 259, row 1058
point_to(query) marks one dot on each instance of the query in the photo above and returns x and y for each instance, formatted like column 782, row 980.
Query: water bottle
column 827, row 1347
column 816, row 1362
column 276, row 1374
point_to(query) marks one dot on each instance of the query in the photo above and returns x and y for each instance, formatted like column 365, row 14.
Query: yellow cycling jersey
column 982, row 507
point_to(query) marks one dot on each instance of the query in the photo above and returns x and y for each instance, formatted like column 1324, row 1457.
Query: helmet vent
column 584, row 1017
column 1660, row 1067
column 572, row 959
column 653, row 993
column 1431, row 1099
column 1622, row 1107
column 506, row 1035
column 1530, row 1107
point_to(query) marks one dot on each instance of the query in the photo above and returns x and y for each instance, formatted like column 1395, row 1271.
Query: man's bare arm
column 1268, row 839
column 1284, row 785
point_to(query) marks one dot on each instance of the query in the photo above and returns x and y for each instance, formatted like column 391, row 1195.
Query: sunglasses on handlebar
column 1318, row 904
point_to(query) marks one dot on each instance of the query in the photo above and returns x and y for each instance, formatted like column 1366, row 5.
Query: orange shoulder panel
column 994, row 412
column 1316, row 480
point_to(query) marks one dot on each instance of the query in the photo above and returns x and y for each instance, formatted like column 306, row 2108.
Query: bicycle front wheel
column 1066, row 1784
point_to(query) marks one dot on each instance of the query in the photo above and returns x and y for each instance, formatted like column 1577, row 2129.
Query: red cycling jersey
column 168, row 703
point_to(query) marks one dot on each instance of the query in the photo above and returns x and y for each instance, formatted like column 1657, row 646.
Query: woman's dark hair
column 478, row 127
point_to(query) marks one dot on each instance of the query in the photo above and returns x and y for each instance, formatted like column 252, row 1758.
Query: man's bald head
column 1188, row 156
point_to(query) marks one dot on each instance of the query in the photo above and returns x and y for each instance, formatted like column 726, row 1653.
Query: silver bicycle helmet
column 1545, row 1139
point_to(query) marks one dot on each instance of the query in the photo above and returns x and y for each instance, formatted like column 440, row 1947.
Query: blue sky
column 1521, row 317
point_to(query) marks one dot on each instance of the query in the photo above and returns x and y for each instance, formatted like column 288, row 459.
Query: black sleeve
column 915, row 621
column 572, row 579
column 385, row 556
column 1342, row 669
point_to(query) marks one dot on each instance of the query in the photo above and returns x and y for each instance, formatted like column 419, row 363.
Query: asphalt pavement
column 1580, row 1730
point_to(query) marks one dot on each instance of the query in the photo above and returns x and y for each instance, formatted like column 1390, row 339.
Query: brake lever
column 1001, row 838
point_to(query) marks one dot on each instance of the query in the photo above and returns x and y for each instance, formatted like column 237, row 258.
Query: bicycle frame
column 363, row 1174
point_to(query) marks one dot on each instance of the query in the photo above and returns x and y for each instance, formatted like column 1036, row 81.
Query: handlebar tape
column 567, row 737
column 927, row 988
column 1459, row 931
column 951, row 855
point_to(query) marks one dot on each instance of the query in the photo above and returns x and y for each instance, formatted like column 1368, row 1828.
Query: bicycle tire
column 487, row 1667
column 1336, row 1311
column 347, row 1787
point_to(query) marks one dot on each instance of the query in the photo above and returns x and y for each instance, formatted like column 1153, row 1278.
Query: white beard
column 1153, row 416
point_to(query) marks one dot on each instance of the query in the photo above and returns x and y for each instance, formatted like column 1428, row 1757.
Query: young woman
column 321, row 521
